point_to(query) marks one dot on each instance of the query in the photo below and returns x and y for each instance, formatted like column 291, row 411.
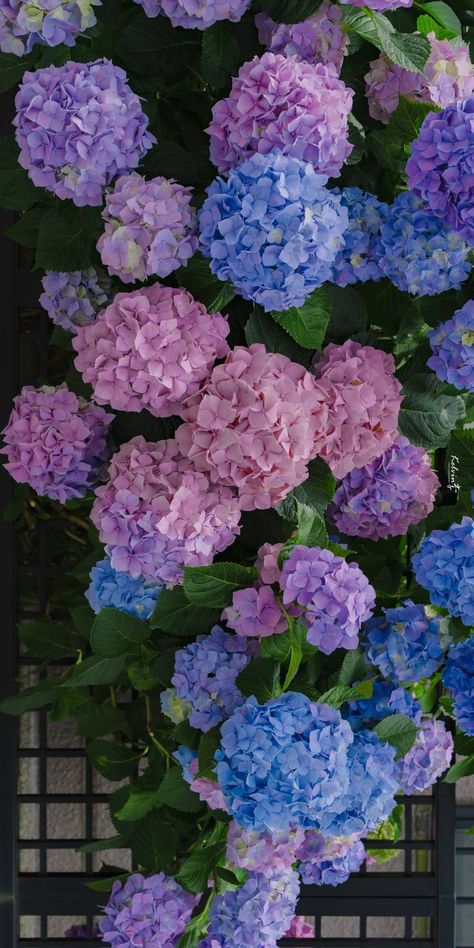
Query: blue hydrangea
column 444, row 565
column 272, row 230
column 329, row 860
column 418, row 253
column 373, row 784
column 186, row 757
column 74, row 299
column 405, row 643
column 452, row 343
column 385, row 700
column 257, row 914
column 458, row 678
column 109, row 589
column 358, row 261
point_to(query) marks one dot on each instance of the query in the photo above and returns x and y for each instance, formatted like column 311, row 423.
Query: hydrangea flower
column 266, row 563
column 56, row 442
column 383, row 498
column 300, row 928
column 262, row 852
column 253, row 425
column 207, row 790
column 204, row 676
column 287, row 105
column 440, row 169
column 329, row 860
column 74, row 299
column 150, row 348
column 272, row 230
column 428, row 759
column 150, row 228
column 336, row 595
column 174, row 707
column 255, row 612
column 444, row 565
column 48, row 22
column 157, row 513
column 452, row 343
column 256, row 914
column 381, row 5
column 319, row 39
column 109, row 589
column 196, row 14
column 77, row 127
column 385, row 700
column 405, row 643
column 147, row 910
column 458, row 677
column 373, row 783
column 363, row 397
column 357, row 262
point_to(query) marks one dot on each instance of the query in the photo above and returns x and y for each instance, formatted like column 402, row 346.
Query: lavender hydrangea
column 444, row 565
column 109, row 589
column 381, row 5
column 329, row 860
column 272, row 229
column 386, row 496
column 262, row 852
column 441, row 166
column 255, row 612
column 419, row 254
column 147, row 911
column 358, row 261
column 204, row 676
column 428, row 759
column 256, row 914
column 452, row 343
column 458, row 678
column 56, row 442
column 336, row 596
column 74, row 299
column 150, row 228
column 319, row 39
column 48, row 22
column 196, row 14
column 405, row 643
column 384, row 701
column 77, row 127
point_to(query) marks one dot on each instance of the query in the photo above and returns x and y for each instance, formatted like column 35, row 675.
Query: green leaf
column 11, row 70
column 207, row 748
column 115, row 632
column 154, row 842
column 290, row 11
column 102, row 721
column 261, row 678
column 96, row 670
column 340, row 694
column 67, row 238
column 17, row 192
column 114, row 761
column 105, row 884
column 262, row 328
column 142, row 676
column 46, row 639
column 464, row 745
column 392, row 145
column 307, row 324
column 154, row 47
column 427, row 417
column 279, row 645
column 318, row 488
column 196, row 277
column 100, row 845
column 214, row 585
column 175, row 614
column 404, row 49
column 25, row 230
column 220, row 53
column 83, row 618
column 439, row 19
column 197, row 868
column 311, row 530
column 462, row 768
column 175, row 792
column 353, row 668
column 142, row 798
column 30, row 699
column 399, row 731
column 460, row 459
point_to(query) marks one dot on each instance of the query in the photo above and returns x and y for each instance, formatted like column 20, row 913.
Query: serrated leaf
column 30, row 699
column 204, row 286
column 392, row 145
column 46, row 638
column 154, row 842
column 96, row 670
column 17, row 192
column 220, row 53
column 404, row 49
column 67, row 238
column 262, row 328
column 197, row 868
column 26, row 229
column 261, row 679
column 101, row 845
column 462, row 768
column 439, row 19
column 426, row 416
column 318, row 488
column 307, row 324
column 102, row 721
column 353, row 668
column 340, row 694
column 399, row 731
column 175, row 614
column 214, row 585
column 114, row 761
column 115, row 632
column 175, row 792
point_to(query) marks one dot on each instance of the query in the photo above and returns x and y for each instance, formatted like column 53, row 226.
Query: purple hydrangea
column 427, row 760
column 262, row 852
column 204, row 676
column 266, row 563
column 405, row 643
column 444, row 565
column 452, row 343
column 383, row 498
column 329, row 860
column 77, row 127
column 319, row 39
column 373, row 784
column 74, row 299
column 441, row 167
column 358, row 261
column 80, row 931
column 255, row 612
column 109, row 589
column 196, row 14
column 146, row 911
column 380, row 5
column 257, row 914
column 283, row 104
column 272, row 229
column 48, row 22
column 458, row 678
column 384, row 701
column 419, row 254
column 336, row 596
column 207, row 790
column 150, row 228
column 56, row 442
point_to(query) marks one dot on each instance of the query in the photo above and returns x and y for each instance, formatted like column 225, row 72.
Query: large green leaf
column 17, row 192
column 290, row 11
column 392, row 145
column 462, row 768
column 220, row 53
column 318, row 488
column 197, row 868
column 204, row 286
column 175, row 614
column 404, row 49
column 427, row 416
column 261, row 679
column 399, row 731
column 96, row 670
column 175, row 792
column 67, row 238
column 115, row 632
column 260, row 327
column 154, row 842
column 30, row 699
column 113, row 760
column 46, row 638
column 214, row 585
column 439, row 19
column 307, row 324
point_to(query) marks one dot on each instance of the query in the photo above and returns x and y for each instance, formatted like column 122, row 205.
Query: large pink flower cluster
column 254, row 425
column 157, row 514
column 150, row 349
column 319, row 39
column 285, row 104
column 363, row 396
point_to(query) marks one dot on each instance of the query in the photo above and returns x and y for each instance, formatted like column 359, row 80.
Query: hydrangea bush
column 253, row 433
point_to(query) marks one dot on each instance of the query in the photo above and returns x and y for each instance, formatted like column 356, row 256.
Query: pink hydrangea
column 254, row 425
column 150, row 348
column 150, row 228
column 267, row 562
column 157, row 514
column 261, row 852
column 319, row 39
column 363, row 397
column 255, row 612
column 285, row 104
column 300, row 928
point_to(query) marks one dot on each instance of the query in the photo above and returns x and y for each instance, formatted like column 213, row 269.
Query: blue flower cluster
column 452, row 343
column 458, row 677
column 109, row 589
column 405, row 643
column 358, row 260
column 444, row 565
column 329, row 860
column 373, row 784
column 385, row 700
column 257, row 914
column 418, row 253
column 272, row 229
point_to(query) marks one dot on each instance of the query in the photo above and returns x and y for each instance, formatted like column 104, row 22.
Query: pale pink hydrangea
column 301, row 928
column 363, row 397
column 150, row 348
column 255, row 612
column 261, row 852
column 254, row 425
column 157, row 514
column 319, row 39
column 267, row 562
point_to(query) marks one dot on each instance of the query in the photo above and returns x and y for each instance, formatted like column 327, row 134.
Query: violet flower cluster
column 452, row 343
column 48, row 22
column 150, row 228
column 329, row 860
column 405, row 643
column 444, row 565
column 207, row 790
column 384, row 701
column 256, row 914
column 358, row 261
column 77, row 127
column 196, row 14
column 255, row 612
column 74, row 299
column 458, row 678
column 428, row 759
column 150, row 348
column 56, row 442
column 263, row 852
column 109, row 589
column 154, row 910
column 319, row 39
